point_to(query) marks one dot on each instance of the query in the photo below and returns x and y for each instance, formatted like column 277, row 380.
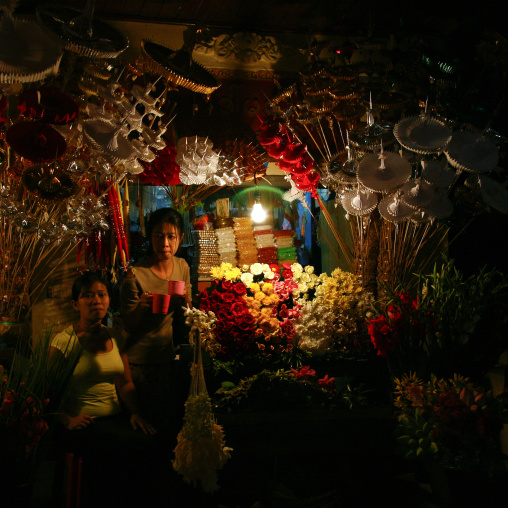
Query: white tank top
column 92, row 390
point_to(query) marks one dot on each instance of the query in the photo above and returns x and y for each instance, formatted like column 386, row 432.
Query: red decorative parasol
column 48, row 104
column 35, row 141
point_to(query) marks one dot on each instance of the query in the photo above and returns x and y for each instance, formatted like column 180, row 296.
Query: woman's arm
column 134, row 302
column 188, row 291
column 75, row 422
column 134, row 317
column 127, row 393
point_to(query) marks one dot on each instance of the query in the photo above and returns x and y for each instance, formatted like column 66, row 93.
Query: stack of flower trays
column 286, row 250
column 267, row 251
column 205, row 255
column 245, row 242
column 226, row 245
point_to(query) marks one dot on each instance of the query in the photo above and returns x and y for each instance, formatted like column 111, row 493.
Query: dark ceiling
column 339, row 17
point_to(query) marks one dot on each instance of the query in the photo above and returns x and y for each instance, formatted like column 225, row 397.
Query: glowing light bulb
column 258, row 213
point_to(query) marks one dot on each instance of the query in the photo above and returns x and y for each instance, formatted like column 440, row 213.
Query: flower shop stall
column 394, row 337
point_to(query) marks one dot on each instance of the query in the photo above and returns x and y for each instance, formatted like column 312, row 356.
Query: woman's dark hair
column 83, row 283
column 164, row 216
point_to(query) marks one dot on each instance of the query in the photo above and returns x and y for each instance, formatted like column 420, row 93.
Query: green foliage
column 414, row 436
column 32, row 392
column 451, row 323
column 471, row 313
column 287, row 390
column 460, row 302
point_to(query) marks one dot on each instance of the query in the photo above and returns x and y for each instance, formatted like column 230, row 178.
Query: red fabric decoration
column 307, row 182
column 294, row 152
column 163, row 170
column 271, row 132
column 299, row 168
column 277, row 149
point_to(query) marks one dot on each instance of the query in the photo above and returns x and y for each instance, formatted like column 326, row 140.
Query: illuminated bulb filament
column 258, row 213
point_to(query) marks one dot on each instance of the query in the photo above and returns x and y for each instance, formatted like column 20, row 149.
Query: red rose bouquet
column 403, row 332
column 254, row 309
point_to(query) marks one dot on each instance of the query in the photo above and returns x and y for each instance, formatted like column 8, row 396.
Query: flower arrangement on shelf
column 437, row 330
column 287, row 389
column 333, row 321
column 254, row 308
column 450, row 420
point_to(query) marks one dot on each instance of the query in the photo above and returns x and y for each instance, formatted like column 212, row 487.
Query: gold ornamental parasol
column 81, row 33
column 27, row 52
column 359, row 202
column 178, row 68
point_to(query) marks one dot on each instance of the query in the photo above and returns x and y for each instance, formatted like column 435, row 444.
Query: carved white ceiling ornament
column 244, row 47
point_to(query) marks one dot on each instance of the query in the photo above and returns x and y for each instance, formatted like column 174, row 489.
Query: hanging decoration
column 201, row 450
column 28, row 53
column 178, row 67
column 472, row 152
column 82, row 33
column 163, row 170
column 35, row 141
column 49, row 104
column 197, row 160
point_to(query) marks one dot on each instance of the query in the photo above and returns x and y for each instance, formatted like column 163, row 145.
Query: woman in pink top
column 152, row 340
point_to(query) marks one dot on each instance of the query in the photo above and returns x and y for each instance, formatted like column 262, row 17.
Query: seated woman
column 96, row 425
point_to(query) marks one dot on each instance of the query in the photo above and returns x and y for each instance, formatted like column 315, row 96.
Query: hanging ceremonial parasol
column 178, row 68
column 359, row 202
column 384, row 171
column 440, row 207
column 49, row 182
column 437, row 173
column 81, row 33
column 393, row 209
column 35, row 141
column 494, row 194
column 471, row 151
column 417, row 193
column 421, row 216
column 27, row 52
column 422, row 134
column 48, row 104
